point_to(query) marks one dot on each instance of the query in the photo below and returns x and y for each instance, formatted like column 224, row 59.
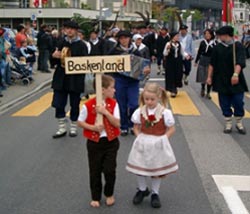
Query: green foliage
column 61, row 4
column 196, row 15
column 245, row 1
column 85, row 24
column 85, row 6
column 168, row 14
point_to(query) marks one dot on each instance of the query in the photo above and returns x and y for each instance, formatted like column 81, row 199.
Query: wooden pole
column 98, row 86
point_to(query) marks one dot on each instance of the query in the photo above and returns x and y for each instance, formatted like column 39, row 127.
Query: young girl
column 151, row 154
column 102, row 141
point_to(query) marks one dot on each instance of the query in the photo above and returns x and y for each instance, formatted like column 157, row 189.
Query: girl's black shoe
column 155, row 201
column 138, row 198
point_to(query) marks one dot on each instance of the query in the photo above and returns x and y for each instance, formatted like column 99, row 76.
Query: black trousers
column 102, row 159
column 59, row 102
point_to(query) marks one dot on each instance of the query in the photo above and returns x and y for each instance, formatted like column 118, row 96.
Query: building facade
column 241, row 12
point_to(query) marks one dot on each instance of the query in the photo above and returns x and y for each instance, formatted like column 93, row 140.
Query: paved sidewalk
column 18, row 91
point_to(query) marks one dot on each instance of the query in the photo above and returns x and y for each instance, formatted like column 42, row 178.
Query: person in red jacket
column 102, row 141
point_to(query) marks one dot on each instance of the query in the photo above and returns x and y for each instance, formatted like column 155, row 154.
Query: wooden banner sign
column 97, row 64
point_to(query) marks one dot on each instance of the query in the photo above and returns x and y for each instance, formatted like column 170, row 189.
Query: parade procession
column 125, row 106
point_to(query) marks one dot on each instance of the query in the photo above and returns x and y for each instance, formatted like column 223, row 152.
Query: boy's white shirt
column 84, row 114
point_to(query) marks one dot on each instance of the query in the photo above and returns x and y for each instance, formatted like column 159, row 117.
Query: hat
column 2, row 30
column 124, row 33
column 226, row 30
column 173, row 34
column 164, row 28
column 71, row 24
column 137, row 36
column 183, row 27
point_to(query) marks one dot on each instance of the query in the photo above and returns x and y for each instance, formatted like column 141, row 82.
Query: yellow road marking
column 183, row 105
column 216, row 102
column 35, row 108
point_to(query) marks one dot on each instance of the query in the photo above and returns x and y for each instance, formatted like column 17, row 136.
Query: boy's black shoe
column 241, row 130
column 155, row 201
column 138, row 198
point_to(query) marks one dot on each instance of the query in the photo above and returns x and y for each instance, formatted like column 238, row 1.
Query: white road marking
column 228, row 185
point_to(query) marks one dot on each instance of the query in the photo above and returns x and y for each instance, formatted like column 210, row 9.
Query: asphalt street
column 41, row 175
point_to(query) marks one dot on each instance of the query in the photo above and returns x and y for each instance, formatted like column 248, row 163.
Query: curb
column 12, row 103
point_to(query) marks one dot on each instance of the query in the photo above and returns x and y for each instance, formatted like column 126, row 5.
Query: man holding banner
column 68, row 85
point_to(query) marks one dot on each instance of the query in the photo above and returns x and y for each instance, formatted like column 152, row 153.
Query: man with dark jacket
column 161, row 42
column 68, row 85
column 225, row 73
column 44, row 45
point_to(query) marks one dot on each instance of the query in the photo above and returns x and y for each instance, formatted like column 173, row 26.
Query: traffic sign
column 33, row 17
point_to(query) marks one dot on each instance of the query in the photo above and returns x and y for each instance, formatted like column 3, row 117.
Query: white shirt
column 167, row 116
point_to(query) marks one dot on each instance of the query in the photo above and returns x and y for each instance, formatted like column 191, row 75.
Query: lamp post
column 100, row 18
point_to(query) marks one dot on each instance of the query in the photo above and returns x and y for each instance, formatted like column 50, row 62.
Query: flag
column 227, row 12
column 124, row 3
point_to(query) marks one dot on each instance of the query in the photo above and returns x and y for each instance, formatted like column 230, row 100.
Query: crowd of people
column 220, row 62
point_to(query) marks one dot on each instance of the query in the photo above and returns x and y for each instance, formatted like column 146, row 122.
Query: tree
column 196, row 15
column 61, row 4
column 85, row 24
column 245, row 1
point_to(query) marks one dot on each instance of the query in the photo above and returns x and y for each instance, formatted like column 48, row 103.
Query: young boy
column 102, row 141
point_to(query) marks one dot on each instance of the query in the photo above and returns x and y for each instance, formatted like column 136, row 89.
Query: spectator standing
column 20, row 36
column 4, row 66
column 44, row 44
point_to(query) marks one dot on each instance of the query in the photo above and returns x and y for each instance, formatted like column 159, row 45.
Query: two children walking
column 151, row 154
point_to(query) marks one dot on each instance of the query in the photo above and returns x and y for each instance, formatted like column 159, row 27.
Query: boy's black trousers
column 102, row 159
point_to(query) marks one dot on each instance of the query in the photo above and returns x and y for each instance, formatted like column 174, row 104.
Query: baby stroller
column 20, row 72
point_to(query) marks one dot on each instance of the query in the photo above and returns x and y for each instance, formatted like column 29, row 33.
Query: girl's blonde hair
column 156, row 89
